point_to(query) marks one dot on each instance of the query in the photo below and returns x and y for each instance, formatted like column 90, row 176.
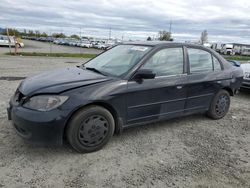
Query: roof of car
column 161, row 43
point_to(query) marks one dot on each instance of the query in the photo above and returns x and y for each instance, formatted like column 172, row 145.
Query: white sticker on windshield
column 139, row 48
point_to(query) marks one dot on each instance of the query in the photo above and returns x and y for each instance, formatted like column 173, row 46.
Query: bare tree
column 204, row 37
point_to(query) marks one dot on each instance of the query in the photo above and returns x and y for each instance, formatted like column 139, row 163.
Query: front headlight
column 45, row 102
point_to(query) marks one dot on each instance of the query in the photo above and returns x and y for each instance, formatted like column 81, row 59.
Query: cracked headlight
column 45, row 102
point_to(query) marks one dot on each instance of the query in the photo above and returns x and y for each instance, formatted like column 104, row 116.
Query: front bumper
column 246, row 83
column 42, row 128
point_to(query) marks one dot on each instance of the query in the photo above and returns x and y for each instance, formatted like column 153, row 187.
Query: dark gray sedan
column 130, row 84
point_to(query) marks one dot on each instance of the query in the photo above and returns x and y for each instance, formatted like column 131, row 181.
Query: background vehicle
column 227, row 49
column 245, row 51
column 87, row 104
column 86, row 44
column 217, row 47
column 6, row 41
column 246, row 80
column 234, row 63
column 100, row 45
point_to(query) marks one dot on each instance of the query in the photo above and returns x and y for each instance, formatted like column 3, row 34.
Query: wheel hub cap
column 222, row 105
column 93, row 130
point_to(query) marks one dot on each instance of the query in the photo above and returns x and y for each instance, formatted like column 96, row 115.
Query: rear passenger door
column 204, row 70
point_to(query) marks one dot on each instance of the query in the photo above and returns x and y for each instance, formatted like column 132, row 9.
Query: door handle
column 179, row 87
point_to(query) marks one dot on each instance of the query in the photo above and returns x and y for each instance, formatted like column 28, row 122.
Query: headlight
column 45, row 102
column 247, row 74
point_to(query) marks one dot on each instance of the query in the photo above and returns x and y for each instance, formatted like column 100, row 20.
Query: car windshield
column 118, row 60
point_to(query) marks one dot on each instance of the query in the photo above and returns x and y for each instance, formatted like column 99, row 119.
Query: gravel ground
column 192, row 151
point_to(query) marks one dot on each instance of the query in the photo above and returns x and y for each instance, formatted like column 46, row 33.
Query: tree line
column 34, row 33
column 167, row 36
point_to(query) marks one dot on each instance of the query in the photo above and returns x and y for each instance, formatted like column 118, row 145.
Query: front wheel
column 90, row 129
column 219, row 105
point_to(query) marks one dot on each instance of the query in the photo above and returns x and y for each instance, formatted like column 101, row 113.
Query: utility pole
column 80, row 40
column 50, row 43
column 170, row 26
column 109, row 33
column 9, row 39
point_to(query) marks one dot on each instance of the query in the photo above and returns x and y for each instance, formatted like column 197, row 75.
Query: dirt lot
column 192, row 151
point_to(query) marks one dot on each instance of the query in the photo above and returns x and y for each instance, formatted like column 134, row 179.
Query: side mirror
column 144, row 74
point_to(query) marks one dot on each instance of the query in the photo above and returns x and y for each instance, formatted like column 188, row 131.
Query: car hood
column 60, row 80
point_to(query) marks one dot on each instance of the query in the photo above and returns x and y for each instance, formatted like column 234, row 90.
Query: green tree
column 75, row 37
column 165, row 35
column 12, row 32
column 31, row 33
column 58, row 35
column 44, row 34
column 149, row 39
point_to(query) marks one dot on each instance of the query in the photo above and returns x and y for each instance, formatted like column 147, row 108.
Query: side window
column 166, row 62
column 217, row 66
column 200, row 60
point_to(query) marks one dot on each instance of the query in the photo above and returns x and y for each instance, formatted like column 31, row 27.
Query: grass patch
column 76, row 55
column 237, row 57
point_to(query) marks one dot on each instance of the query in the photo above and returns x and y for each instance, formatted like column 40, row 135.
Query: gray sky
column 225, row 21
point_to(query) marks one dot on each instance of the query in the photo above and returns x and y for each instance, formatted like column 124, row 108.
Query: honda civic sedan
column 128, row 85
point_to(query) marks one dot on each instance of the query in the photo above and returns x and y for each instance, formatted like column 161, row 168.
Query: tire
column 219, row 105
column 90, row 129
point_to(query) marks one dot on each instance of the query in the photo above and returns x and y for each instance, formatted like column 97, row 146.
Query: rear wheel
column 90, row 129
column 219, row 105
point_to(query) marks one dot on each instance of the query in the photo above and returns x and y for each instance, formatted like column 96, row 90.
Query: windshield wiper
column 95, row 70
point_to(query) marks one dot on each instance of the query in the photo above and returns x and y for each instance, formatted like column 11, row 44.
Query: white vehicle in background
column 228, row 49
column 86, row 44
column 245, row 51
column 217, row 47
column 6, row 41
column 246, row 79
column 110, row 44
column 208, row 45
column 101, row 45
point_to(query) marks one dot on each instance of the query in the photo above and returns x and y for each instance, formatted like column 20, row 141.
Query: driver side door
column 161, row 97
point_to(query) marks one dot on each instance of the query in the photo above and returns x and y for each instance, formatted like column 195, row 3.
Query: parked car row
column 84, row 43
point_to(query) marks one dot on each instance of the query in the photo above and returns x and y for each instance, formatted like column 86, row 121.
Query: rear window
column 217, row 65
column 200, row 60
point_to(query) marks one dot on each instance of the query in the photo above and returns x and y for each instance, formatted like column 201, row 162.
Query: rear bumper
column 42, row 128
